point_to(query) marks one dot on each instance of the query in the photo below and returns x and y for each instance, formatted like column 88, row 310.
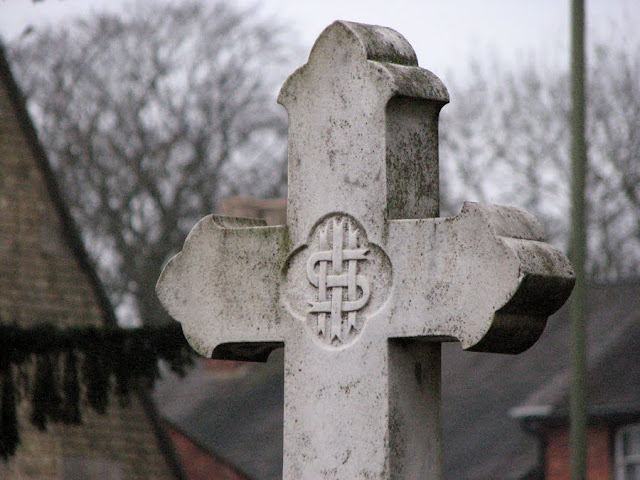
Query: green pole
column 578, row 247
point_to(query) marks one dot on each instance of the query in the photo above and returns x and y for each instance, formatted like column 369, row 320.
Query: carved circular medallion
column 337, row 280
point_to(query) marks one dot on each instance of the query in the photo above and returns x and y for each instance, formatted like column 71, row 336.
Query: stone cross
column 364, row 281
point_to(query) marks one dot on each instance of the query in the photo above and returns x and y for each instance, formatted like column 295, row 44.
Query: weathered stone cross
column 364, row 281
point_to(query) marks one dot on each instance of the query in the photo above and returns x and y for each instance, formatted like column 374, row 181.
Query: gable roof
column 236, row 417
column 70, row 232
column 613, row 363
column 493, row 392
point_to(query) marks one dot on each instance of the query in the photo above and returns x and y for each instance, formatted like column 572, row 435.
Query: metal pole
column 578, row 248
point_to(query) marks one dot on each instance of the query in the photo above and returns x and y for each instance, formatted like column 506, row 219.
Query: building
column 45, row 275
column 507, row 417
column 613, row 390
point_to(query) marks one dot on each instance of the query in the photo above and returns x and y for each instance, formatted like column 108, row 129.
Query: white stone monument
column 364, row 281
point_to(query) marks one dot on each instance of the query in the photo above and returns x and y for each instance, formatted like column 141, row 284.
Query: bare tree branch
column 149, row 118
column 505, row 140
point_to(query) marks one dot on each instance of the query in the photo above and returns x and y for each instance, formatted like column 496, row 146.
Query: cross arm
column 224, row 287
column 485, row 277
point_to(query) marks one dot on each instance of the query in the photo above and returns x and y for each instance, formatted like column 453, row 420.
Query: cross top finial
column 352, row 111
column 366, row 42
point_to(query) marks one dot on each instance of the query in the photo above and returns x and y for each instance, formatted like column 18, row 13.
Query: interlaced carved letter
column 331, row 279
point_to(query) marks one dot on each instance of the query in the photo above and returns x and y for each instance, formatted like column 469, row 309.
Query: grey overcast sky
column 446, row 34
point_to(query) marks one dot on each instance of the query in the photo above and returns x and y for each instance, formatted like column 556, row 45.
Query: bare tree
column 149, row 118
column 506, row 140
